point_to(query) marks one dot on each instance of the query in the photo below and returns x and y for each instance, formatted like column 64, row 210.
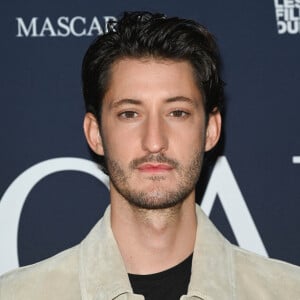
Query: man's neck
column 151, row 241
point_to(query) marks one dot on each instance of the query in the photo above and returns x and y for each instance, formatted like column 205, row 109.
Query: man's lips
column 152, row 168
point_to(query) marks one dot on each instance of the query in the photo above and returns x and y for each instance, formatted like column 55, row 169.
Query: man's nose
column 154, row 138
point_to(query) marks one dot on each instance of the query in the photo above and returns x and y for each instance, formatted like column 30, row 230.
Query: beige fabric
column 94, row 270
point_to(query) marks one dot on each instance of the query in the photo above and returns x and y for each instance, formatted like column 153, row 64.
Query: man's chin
column 154, row 202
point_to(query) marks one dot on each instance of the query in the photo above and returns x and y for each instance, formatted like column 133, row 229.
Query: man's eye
column 128, row 114
column 179, row 114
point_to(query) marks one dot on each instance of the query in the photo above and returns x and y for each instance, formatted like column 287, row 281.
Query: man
column 153, row 96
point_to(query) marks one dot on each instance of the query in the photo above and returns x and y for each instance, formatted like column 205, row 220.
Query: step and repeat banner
column 51, row 191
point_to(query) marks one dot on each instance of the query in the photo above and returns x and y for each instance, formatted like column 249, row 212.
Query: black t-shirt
column 170, row 284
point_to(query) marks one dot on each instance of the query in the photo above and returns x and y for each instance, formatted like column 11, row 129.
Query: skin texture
column 153, row 135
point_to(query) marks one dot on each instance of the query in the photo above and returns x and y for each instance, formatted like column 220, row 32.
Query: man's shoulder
column 240, row 273
column 47, row 279
column 264, row 275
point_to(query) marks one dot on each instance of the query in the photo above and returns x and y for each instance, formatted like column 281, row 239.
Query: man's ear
column 92, row 133
column 213, row 130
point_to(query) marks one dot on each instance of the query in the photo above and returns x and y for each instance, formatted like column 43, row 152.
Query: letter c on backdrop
column 15, row 196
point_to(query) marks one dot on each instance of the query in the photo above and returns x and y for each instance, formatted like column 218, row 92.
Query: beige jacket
column 94, row 270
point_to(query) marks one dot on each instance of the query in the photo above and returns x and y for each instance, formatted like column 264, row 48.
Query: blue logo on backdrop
column 296, row 159
column 287, row 16
column 62, row 26
column 13, row 200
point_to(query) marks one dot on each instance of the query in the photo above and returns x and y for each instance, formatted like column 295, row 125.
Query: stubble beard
column 159, row 197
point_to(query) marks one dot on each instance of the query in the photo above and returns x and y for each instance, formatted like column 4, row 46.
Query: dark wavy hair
column 142, row 35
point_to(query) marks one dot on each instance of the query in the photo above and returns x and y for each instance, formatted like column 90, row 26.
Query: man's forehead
column 131, row 78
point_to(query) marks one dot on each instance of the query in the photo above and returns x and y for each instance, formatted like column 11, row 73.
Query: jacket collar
column 102, row 271
column 212, row 267
column 103, row 275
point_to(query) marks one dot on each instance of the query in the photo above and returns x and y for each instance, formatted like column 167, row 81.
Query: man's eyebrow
column 182, row 99
column 125, row 101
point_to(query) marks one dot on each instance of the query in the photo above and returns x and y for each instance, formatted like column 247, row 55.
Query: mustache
column 153, row 158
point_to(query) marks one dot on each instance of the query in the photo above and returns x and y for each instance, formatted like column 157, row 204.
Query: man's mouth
column 154, row 168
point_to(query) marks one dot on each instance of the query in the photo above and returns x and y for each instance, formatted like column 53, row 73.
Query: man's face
column 153, row 132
